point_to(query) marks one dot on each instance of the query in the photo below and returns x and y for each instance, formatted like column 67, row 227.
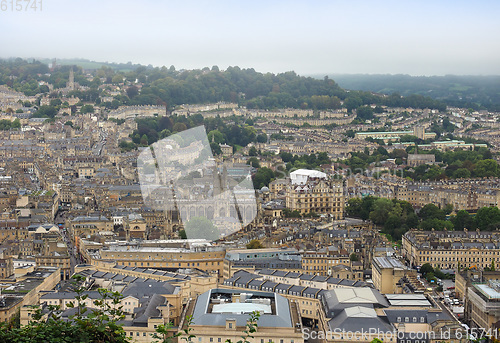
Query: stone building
column 415, row 160
column 311, row 191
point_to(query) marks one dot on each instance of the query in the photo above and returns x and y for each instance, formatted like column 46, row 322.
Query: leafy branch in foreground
column 251, row 328
column 46, row 324
column 164, row 336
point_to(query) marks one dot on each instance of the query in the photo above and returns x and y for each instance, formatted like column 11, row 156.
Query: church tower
column 71, row 83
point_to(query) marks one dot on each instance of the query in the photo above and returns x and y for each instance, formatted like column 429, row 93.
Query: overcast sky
column 311, row 37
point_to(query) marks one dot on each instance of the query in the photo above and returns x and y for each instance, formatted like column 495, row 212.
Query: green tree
column 127, row 146
column 216, row 136
column 43, row 89
column 431, row 211
column 254, row 244
column 252, row 151
column 286, row 156
column 380, row 212
column 448, row 209
column 182, row 234
column 486, row 168
column 462, row 220
column 262, row 177
column 55, row 102
column 216, row 149
column 118, row 78
column 201, row 227
column 87, row 109
column 462, row 173
column 132, row 91
column 254, row 162
column 287, row 213
column 430, row 276
column 262, row 138
column 179, row 127
column 97, row 325
column 367, row 206
column 45, row 111
column 353, row 208
column 426, row 268
column 436, row 224
column 487, row 218
column 391, row 226
column 408, row 138
column 364, row 113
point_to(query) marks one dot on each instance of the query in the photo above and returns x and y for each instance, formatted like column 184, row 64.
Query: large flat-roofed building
column 387, row 273
column 483, row 305
column 363, row 314
column 272, row 258
column 304, row 289
column 464, row 279
column 191, row 253
column 452, row 249
column 26, row 290
column 388, row 136
column 85, row 226
column 452, row 144
column 150, row 297
column 222, row 314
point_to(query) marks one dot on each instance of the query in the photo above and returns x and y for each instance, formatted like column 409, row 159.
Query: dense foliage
column 450, row 164
column 311, row 161
column 262, row 177
column 431, row 273
column 99, row 324
column 167, row 86
column 359, row 162
column 237, row 133
column 487, row 218
column 201, row 227
column 6, row 124
column 457, row 164
column 476, row 92
column 396, row 217
column 254, row 244
column 96, row 325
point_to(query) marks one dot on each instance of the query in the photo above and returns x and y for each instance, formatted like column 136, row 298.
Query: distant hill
column 477, row 92
column 168, row 86
column 92, row 65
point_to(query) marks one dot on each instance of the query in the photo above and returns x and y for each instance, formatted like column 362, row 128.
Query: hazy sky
column 411, row 37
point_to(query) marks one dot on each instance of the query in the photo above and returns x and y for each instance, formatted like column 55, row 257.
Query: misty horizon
column 76, row 60
column 320, row 37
